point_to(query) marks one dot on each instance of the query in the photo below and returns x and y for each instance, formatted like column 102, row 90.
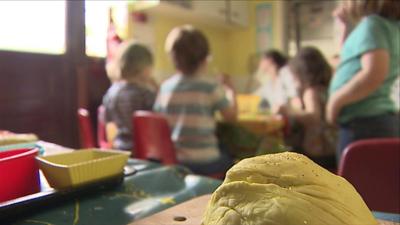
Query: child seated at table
column 189, row 100
column 312, row 74
column 132, row 89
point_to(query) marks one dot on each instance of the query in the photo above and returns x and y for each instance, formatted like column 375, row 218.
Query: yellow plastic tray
column 73, row 169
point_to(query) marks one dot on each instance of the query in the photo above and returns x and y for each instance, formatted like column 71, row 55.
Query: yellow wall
column 242, row 43
column 230, row 48
column 216, row 37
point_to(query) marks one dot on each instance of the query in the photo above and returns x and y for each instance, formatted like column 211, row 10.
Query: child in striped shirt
column 190, row 100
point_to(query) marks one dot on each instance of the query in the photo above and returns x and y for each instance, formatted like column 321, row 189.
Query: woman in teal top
column 360, row 99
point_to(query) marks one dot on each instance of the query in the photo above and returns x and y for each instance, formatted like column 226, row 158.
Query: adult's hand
column 342, row 15
column 375, row 67
column 333, row 108
column 344, row 21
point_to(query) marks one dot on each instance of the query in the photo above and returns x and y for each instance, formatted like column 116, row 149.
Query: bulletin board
column 264, row 26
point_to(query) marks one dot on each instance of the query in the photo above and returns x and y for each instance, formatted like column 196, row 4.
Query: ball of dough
column 285, row 189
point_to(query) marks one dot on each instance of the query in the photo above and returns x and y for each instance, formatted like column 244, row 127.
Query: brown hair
column 311, row 67
column 130, row 60
column 188, row 48
column 357, row 9
column 277, row 57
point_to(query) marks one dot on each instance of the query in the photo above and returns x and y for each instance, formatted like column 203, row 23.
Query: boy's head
column 188, row 48
column 310, row 68
column 131, row 61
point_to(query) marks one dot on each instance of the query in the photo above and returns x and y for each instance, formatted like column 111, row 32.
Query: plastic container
column 19, row 173
column 248, row 104
column 76, row 168
column 27, row 145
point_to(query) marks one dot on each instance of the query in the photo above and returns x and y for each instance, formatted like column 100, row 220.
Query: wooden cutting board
column 191, row 213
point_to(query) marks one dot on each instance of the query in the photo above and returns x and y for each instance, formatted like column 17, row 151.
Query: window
column 32, row 26
column 97, row 17
column 96, row 25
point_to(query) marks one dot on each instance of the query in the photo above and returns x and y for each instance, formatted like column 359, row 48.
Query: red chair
column 86, row 133
column 152, row 138
column 102, row 141
column 373, row 167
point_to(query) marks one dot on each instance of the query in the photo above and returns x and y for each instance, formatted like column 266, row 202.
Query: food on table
column 285, row 188
column 9, row 138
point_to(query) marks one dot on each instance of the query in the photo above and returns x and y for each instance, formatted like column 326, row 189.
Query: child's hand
column 282, row 110
column 225, row 80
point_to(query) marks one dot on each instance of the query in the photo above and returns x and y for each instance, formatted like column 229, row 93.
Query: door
column 32, row 94
column 38, row 80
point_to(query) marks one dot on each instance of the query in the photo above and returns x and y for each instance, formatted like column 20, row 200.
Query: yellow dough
column 285, row 189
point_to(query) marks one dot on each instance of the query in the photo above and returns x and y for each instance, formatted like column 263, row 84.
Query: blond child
column 132, row 89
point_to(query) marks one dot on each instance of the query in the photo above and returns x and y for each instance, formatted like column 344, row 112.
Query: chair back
column 102, row 141
column 86, row 133
column 152, row 138
column 373, row 167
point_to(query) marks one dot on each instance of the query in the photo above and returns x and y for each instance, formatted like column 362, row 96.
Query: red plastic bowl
column 19, row 173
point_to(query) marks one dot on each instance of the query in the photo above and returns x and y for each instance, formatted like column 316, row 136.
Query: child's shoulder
column 171, row 80
column 201, row 83
column 170, row 83
column 208, row 80
column 124, row 90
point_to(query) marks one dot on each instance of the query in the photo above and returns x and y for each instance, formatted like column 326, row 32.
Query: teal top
column 373, row 32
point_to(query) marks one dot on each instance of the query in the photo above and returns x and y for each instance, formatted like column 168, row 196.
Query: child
column 130, row 91
column 359, row 98
column 190, row 100
column 312, row 74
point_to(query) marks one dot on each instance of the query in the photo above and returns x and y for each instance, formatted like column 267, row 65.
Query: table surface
column 152, row 189
column 191, row 213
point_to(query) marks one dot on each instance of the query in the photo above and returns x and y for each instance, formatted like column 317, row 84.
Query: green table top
column 152, row 189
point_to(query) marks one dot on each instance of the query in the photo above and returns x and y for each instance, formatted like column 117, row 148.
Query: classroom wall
column 242, row 47
column 231, row 48
column 242, row 43
column 217, row 39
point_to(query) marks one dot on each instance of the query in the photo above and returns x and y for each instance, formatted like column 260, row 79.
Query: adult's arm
column 343, row 22
column 374, row 68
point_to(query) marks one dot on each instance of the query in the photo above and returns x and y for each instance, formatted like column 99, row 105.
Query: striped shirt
column 190, row 104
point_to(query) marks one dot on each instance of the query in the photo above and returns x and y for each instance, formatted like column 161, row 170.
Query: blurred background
column 53, row 53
